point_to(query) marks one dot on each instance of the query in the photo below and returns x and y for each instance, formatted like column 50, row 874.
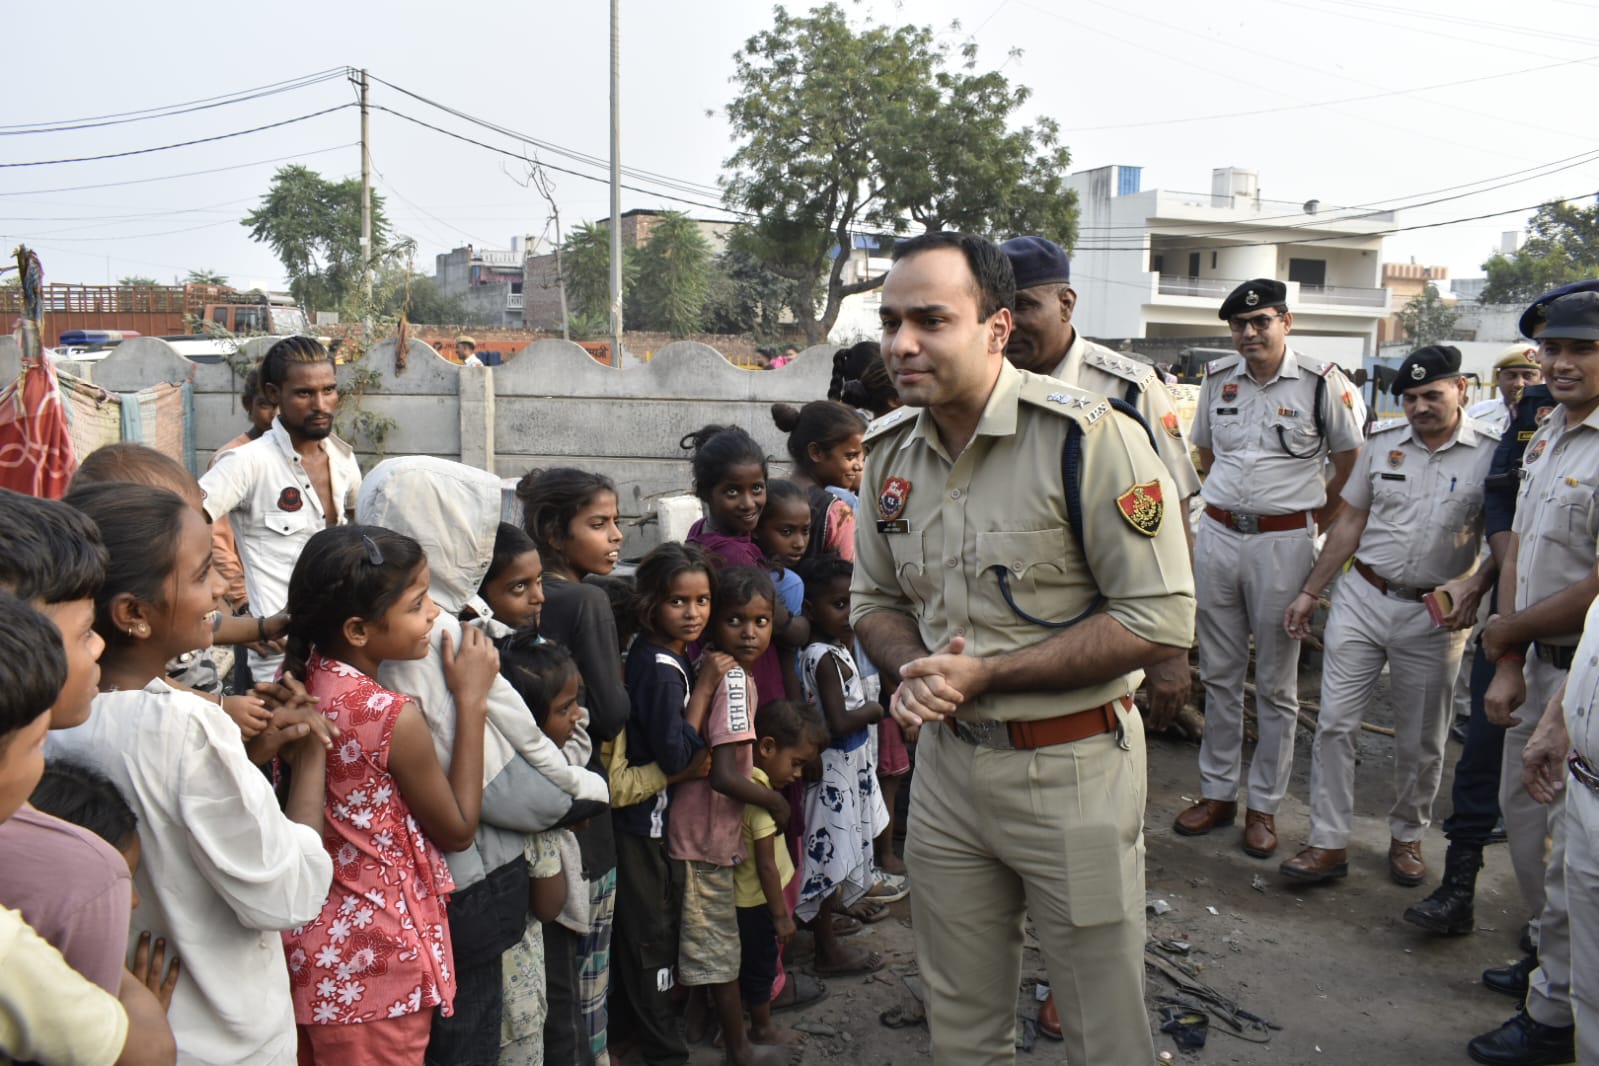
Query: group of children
column 342, row 859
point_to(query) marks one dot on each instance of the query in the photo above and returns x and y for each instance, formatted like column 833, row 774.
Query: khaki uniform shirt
column 1251, row 429
column 1425, row 508
column 1557, row 513
column 1098, row 369
column 934, row 528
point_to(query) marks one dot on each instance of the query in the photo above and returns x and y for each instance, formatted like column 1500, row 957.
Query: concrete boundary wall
column 551, row 405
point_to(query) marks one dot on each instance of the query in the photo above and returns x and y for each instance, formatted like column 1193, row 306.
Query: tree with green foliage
column 586, row 261
column 744, row 295
column 205, row 277
column 137, row 281
column 1426, row 319
column 674, row 270
column 314, row 227
column 1562, row 246
column 844, row 132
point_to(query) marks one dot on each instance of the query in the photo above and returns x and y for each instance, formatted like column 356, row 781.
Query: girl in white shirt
column 223, row 867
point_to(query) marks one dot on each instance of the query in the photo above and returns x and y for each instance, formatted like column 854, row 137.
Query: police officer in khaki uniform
column 1550, row 579
column 1019, row 635
column 1412, row 523
column 1269, row 421
column 1044, row 341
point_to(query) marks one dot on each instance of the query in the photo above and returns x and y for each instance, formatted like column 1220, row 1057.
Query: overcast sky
column 1345, row 101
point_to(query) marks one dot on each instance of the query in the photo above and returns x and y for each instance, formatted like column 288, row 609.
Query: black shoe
column 1524, row 1042
column 1497, row 834
column 1447, row 912
column 1511, row 980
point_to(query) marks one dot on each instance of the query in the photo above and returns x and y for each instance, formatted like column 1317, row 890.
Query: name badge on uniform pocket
column 1392, row 477
column 897, row 525
column 1227, row 410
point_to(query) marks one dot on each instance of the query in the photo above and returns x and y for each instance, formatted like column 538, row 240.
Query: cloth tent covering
column 36, row 452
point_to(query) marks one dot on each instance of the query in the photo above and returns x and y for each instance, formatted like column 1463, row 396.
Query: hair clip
column 374, row 555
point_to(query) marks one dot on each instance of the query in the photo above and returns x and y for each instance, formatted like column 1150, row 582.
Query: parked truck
column 159, row 310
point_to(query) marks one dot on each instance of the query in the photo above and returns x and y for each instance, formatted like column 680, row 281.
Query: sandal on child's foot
column 867, row 911
column 844, row 925
column 886, row 891
column 799, row 991
column 854, row 964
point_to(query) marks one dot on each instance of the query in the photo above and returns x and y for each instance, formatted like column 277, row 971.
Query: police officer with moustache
column 1019, row 572
column 1044, row 341
column 1269, row 421
column 1550, row 579
column 1412, row 524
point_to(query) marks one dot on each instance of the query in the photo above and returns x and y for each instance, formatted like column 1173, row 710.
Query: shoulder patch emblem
column 1543, row 413
column 1536, row 450
column 1169, row 423
column 1396, row 458
column 891, row 501
column 1143, row 507
column 1349, row 399
column 1229, row 392
column 290, row 500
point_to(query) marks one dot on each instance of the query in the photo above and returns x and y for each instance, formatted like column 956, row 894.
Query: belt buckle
column 1583, row 772
column 1246, row 523
column 984, row 734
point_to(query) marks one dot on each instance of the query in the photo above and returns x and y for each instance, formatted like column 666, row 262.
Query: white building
column 1157, row 263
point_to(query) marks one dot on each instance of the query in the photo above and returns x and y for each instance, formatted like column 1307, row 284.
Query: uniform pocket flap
column 1018, row 552
column 281, row 523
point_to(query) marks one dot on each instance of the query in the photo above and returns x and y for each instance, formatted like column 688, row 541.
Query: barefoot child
column 368, row 970
column 788, row 739
column 706, row 829
column 843, row 811
column 221, row 864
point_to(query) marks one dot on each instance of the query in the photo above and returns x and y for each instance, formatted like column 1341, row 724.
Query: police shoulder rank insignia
column 1396, row 458
column 1168, row 422
column 1229, row 392
column 1143, row 507
column 290, row 500
column 1535, row 451
column 891, row 506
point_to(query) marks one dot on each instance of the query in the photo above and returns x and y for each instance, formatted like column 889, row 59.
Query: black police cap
column 1425, row 365
column 1252, row 295
column 1574, row 317
column 1036, row 261
column 1539, row 308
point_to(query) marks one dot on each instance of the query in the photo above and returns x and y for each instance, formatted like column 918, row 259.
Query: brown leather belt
column 1258, row 523
column 1044, row 732
column 1388, row 588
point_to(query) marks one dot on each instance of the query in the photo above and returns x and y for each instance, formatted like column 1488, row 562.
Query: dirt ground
column 1346, row 979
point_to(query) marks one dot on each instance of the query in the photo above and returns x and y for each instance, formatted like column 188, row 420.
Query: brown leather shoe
column 1404, row 863
column 1316, row 864
column 1204, row 816
column 1260, row 834
column 1049, row 1019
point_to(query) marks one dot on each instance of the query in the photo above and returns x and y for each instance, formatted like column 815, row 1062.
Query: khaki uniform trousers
column 1244, row 583
column 1056, row 832
column 1582, row 881
column 1528, row 824
column 1366, row 629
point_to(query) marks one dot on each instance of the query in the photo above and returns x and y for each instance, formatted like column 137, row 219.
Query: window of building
column 1308, row 272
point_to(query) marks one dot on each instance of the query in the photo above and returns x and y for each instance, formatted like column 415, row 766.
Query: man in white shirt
column 296, row 478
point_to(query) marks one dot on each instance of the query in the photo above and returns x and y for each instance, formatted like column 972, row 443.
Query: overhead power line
column 184, row 174
column 170, row 110
column 180, row 144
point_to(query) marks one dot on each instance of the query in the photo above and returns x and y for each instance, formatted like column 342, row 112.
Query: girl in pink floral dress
column 367, row 973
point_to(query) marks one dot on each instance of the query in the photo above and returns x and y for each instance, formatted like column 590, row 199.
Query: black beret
column 1574, row 317
column 1252, row 295
column 1427, row 364
column 1535, row 312
column 1036, row 261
